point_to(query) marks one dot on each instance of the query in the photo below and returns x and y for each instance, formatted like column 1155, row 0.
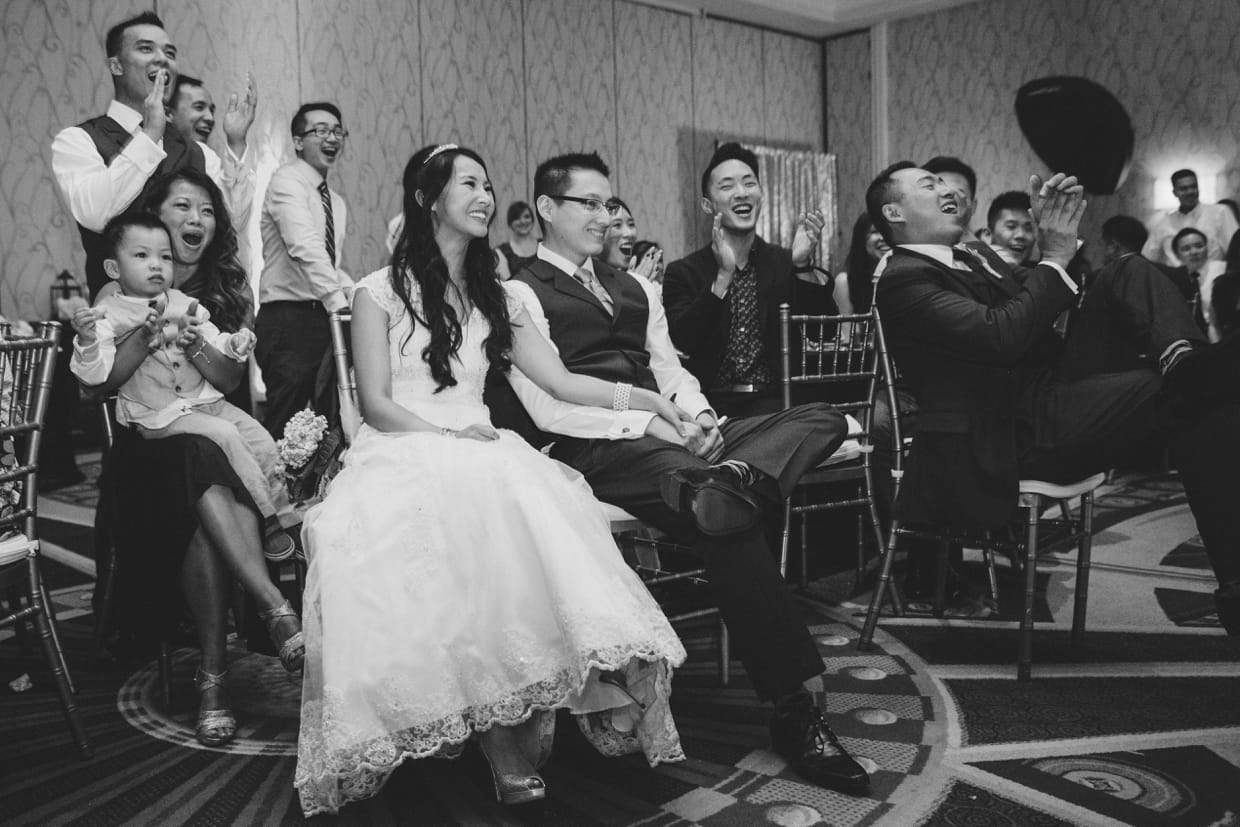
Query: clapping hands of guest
column 805, row 242
column 1058, row 204
column 651, row 266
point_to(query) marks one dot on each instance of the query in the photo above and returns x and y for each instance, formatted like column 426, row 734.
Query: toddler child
column 159, row 347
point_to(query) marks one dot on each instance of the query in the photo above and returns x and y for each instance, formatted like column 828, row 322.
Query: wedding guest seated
column 707, row 486
column 854, row 285
column 1215, row 221
column 1196, row 275
column 1012, row 233
column 1124, row 235
column 181, row 521
column 997, row 406
column 159, row 348
column 620, row 246
column 723, row 300
column 429, row 624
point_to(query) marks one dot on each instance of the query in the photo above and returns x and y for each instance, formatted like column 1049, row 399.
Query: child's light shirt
column 167, row 384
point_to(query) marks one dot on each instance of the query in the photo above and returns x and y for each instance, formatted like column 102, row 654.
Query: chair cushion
column 15, row 547
column 1062, row 492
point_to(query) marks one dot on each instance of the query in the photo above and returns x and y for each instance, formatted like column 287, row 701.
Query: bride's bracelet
column 447, row 432
column 620, row 396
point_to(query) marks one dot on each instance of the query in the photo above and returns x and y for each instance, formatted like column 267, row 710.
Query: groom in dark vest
column 106, row 164
column 705, row 487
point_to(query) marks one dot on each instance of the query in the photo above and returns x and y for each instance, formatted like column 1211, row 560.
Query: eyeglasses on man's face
column 592, row 205
column 323, row 130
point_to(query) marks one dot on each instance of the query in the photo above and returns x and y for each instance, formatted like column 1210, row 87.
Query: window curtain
column 796, row 182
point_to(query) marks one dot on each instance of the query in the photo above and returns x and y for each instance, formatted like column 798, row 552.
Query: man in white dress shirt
column 104, row 165
column 706, row 487
column 1215, row 221
column 303, row 224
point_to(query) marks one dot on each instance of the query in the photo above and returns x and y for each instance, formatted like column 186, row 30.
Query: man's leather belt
column 743, row 389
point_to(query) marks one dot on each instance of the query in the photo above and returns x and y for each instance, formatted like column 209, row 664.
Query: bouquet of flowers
column 309, row 455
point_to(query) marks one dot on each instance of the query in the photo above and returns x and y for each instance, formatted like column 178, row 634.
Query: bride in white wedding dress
column 461, row 583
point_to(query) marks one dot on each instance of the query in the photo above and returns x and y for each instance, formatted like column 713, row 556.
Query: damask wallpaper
column 651, row 90
column 848, row 116
column 953, row 78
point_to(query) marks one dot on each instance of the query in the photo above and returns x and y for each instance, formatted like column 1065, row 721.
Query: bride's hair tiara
column 439, row 150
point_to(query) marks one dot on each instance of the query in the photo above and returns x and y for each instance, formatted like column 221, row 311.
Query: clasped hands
column 1058, row 205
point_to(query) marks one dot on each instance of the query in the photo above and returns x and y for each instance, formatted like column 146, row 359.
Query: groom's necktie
column 591, row 283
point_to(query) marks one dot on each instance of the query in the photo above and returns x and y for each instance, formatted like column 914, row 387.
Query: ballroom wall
column 519, row 80
column 953, row 77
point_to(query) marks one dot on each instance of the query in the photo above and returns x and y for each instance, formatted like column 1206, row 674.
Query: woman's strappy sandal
column 216, row 727
column 293, row 649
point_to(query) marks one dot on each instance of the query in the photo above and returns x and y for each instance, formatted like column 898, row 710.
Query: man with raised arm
column 976, row 346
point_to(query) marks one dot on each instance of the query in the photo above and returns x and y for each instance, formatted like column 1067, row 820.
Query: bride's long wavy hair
column 417, row 258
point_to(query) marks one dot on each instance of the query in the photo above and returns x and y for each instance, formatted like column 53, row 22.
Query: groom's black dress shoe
column 720, row 505
column 800, row 734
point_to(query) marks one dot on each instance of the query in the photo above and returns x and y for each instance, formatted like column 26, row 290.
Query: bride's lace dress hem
column 328, row 778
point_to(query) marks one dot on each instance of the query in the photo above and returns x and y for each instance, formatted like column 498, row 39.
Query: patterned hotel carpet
column 1138, row 727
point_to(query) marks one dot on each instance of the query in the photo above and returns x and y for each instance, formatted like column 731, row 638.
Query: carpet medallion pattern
column 1137, row 726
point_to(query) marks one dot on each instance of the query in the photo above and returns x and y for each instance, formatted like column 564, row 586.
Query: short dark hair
column 182, row 81
column 1182, row 173
column 619, row 202
column 940, row 164
column 731, row 151
column 1010, row 200
column 1187, row 231
column 1126, row 231
column 553, row 175
column 879, row 193
column 114, row 231
column 116, row 35
column 298, row 124
column 515, row 209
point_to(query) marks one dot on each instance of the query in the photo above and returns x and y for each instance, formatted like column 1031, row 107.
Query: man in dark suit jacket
column 994, row 408
column 723, row 300
column 970, row 341
column 702, row 487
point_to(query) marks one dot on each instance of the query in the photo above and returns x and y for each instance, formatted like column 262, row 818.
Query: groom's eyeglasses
column 592, row 205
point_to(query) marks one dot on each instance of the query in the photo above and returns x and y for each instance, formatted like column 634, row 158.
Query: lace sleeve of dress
column 379, row 285
column 517, row 293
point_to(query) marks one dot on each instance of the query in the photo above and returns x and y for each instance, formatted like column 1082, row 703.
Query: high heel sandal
column 293, row 649
column 216, row 727
column 511, row 788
